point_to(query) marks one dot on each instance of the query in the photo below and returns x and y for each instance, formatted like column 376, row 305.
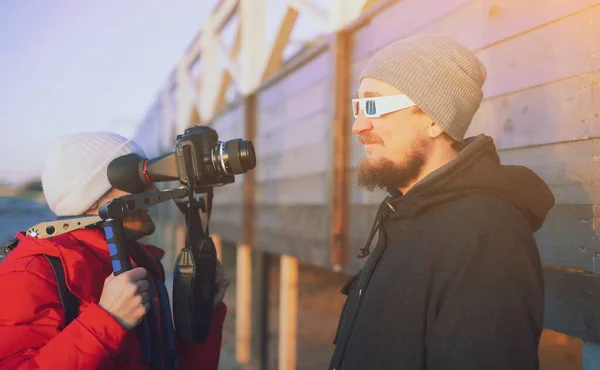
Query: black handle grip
column 119, row 254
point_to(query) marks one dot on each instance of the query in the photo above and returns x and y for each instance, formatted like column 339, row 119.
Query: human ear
column 434, row 130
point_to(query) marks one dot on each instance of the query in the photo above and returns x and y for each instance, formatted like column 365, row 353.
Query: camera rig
column 200, row 162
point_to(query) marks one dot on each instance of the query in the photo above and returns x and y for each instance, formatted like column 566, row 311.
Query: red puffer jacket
column 32, row 332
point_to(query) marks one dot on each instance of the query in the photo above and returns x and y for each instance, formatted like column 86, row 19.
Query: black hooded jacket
column 455, row 280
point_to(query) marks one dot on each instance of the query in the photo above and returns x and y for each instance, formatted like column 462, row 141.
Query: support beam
column 213, row 24
column 288, row 312
column 254, row 47
column 307, row 7
column 209, row 76
column 218, row 241
column 186, row 97
column 339, row 185
column 283, row 36
column 260, row 310
column 343, row 12
column 226, row 78
column 243, row 304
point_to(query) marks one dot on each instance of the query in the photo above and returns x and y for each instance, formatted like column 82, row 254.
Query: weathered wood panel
column 559, row 50
column 293, row 163
column 572, row 304
column 560, row 111
column 298, row 80
column 227, row 212
column 300, row 190
column 542, row 68
column 571, row 169
column 293, row 142
column 226, row 221
column 311, row 130
column 295, row 111
column 398, row 21
column 569, row 237
column 298, row 230
column 230, row 123
column 481, row 23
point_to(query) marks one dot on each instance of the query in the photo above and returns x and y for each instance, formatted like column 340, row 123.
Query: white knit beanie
column 75, row 173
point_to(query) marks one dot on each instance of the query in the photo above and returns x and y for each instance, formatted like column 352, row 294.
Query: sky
column 71, row 66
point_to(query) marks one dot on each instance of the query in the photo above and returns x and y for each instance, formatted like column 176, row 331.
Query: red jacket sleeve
column 204, row 356
column 31, row 319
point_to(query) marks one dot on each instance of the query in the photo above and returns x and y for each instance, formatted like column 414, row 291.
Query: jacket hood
column 477, row 169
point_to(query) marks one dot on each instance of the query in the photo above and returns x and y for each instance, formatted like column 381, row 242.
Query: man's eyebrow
column 369, row 94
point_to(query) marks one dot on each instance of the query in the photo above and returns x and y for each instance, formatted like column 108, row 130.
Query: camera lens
column 234, row 156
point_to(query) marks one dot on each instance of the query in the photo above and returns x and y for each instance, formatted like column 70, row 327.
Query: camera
column 210, row 163
column 200, row 162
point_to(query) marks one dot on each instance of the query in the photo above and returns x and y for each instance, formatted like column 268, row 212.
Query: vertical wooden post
column 243, row 303
column 218, row 246
column 260, row 309
column 244, row 262
column 339, row 186
column 288, row 312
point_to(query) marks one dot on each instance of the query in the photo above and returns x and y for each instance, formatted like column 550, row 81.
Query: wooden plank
column 560, row 50
column 226, row 77
column 561, row 111
column 255, row 48
column 309, row 8
column 313, row 130
column 398, row 21
column 295, row 163
column 260, row 309
column 249, row 183
column 572, row 304
column 218, row 242
column 309, row 73
column 514, row 64
column 570, row 169
column 274, row 60
column 568, row 238
column 243, row 300
column 481, row 23
column 304, row 190
column 298, row 108
column 339, row 186
column 288, row 313
column 229, row 124
column 230, row 193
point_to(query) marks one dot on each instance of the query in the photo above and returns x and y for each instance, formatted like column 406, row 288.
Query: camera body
column 209, row 163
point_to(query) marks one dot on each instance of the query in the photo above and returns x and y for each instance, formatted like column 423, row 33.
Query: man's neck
column 437, row 159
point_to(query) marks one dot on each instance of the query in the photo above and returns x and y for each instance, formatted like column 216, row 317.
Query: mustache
column 370, row 138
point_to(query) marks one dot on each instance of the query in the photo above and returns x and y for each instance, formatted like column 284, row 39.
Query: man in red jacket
column 34, row 332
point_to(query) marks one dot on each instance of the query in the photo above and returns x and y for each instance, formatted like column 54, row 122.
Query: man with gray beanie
column 455, row 279
column 37, row 329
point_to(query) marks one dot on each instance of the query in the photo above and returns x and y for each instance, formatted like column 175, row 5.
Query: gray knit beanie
column 441, row 76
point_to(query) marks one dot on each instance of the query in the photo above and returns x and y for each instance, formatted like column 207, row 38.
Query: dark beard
column 383, row 173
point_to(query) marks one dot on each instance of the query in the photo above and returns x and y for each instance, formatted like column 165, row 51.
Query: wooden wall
column 227, row 216
column 541, row 103
column 293, row 149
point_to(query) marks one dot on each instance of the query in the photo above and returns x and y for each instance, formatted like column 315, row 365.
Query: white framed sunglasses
column 379, row 105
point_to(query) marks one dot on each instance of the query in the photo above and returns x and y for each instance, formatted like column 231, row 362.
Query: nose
column 361, row 124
